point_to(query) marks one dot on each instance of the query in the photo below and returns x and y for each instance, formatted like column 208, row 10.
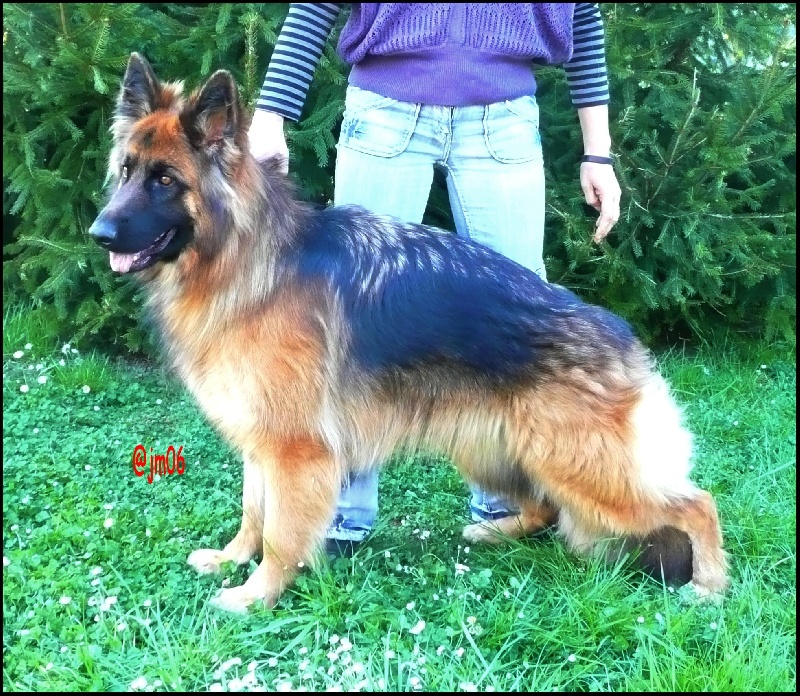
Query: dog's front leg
column 247, row 542
column 301, row 482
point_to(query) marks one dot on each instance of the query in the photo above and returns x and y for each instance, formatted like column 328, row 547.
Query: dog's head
column 168, row 151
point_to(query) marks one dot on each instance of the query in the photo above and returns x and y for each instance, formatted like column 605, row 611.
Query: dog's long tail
column 664, row 554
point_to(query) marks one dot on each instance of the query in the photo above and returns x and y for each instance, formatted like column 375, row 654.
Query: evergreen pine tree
column 702, row 117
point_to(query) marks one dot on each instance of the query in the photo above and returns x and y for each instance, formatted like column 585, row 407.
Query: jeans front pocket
column 377, row 125
column 511, row 130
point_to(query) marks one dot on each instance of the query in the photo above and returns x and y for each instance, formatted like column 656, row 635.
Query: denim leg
column 384, row 164
column 357, row 507
column 496, row 186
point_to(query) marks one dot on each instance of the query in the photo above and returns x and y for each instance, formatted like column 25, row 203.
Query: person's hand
column 602, row 192
column 267, row 139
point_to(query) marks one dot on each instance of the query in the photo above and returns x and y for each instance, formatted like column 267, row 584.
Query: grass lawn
column 97, row 593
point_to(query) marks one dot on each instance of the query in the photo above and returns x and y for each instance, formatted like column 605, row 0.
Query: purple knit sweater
column 454, row 53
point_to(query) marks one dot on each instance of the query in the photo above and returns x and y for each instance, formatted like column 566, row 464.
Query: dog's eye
column 124, row 172
column 165, row 180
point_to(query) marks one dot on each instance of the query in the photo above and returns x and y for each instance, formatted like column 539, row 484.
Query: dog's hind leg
column 302, row 480
column 247, row 542
column 624, row 471
column 533, row 516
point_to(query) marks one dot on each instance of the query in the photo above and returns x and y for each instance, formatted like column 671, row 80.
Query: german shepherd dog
column 319, row 341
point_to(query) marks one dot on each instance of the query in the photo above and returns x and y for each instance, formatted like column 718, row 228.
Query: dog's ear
column 139, row 92
column 212, row 120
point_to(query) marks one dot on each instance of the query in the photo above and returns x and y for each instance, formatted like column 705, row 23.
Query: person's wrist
column 598, row 159
column 267, row 117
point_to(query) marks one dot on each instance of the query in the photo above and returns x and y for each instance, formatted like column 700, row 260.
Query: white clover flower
column 108, row 523
column 225, row 666
column 387, row 554
column 216, row 687
column 86, row 388
column 414, row 681
column 572, row 658
column 26, row 500
column 390, row 654
column 235, row 684
column 28, row 346
column 65, row 349
column 108, row 506
column 158, row 401
column 36, row 431
column 467, row 686
column 62, row 362
column 272, row 662
column 418, row 628
column 42, row 379
column 345, row 645
column 122, row 626
column 471, row 620
column 24, row 388
column 138, row 684
column 18, row 354
column 410, row 605
column 6, row 561
column 713, row 625
column 334, row 639
column 458, row 652
column 303, row 650
column 96, row 408
column 440, row 649
column 640, row 619
column 333, row 656
column 461, row 568
column 65, row 600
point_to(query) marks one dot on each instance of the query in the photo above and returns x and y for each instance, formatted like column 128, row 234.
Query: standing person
column 448, row 85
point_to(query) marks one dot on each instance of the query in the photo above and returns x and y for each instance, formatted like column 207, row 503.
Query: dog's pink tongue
column 121, row 263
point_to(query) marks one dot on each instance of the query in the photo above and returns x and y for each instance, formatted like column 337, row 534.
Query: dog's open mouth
column 124, row 263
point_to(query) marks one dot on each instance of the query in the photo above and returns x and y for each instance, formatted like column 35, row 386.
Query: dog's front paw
column 234, row 599
column 206, row 561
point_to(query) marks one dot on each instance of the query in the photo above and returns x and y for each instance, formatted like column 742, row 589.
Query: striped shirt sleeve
column 586, row 70
column 297, row 52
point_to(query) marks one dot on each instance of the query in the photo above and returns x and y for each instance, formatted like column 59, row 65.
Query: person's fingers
column 609, row 215
column 590, row 194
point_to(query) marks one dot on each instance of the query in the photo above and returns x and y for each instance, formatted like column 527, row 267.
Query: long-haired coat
column 320, row 341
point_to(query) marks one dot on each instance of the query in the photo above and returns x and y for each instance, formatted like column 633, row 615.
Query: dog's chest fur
column 256, row 373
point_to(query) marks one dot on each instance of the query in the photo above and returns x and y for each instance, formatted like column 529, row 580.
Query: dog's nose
column 103, row 231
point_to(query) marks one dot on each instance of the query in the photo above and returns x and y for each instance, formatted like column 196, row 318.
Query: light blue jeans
column 492, row 156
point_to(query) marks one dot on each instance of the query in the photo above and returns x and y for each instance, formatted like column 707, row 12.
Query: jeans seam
column 464, row 210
